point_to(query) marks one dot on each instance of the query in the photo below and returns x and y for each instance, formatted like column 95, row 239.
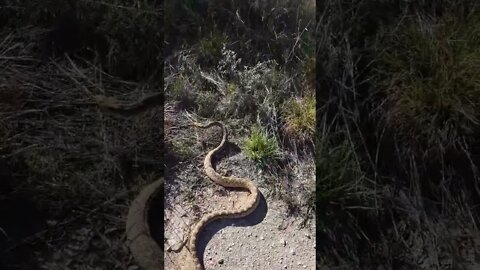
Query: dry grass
column 78, row 167
column 397, row 137
column 244, row 66
column 299, row 115
column 434, row 98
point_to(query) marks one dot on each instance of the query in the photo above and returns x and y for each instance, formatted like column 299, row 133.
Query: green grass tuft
column 261, row 147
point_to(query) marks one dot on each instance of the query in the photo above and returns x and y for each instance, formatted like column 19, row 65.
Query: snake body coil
column 139, row 235
column 144, row 248
column 225, row 181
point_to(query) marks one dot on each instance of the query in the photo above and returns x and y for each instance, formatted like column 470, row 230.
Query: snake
column 140, row 241
column 142, row 211
column 146, row 251
column 226, row 181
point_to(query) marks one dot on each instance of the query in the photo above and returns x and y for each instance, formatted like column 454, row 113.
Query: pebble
column 221, row 261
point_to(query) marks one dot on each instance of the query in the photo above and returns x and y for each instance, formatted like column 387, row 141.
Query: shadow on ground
column 211, row 229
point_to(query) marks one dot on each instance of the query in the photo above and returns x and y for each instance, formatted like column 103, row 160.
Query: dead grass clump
column 428, row 74
column 299, row 117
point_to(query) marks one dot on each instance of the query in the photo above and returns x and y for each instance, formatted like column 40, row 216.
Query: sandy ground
column 266, row 239
column 269, row 238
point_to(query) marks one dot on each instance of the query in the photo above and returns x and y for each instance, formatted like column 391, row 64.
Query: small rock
column 221, row 261
column 292, row 252
column 283, row 242
column 285, row 267
column 262, row 238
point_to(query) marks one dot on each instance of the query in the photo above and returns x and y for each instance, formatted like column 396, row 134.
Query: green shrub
column 261, row 147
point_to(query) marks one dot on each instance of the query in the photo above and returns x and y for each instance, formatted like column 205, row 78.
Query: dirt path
column 267, row 239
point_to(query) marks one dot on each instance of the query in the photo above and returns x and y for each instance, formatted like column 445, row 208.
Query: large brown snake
column 225, row 181
column 145, row 250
